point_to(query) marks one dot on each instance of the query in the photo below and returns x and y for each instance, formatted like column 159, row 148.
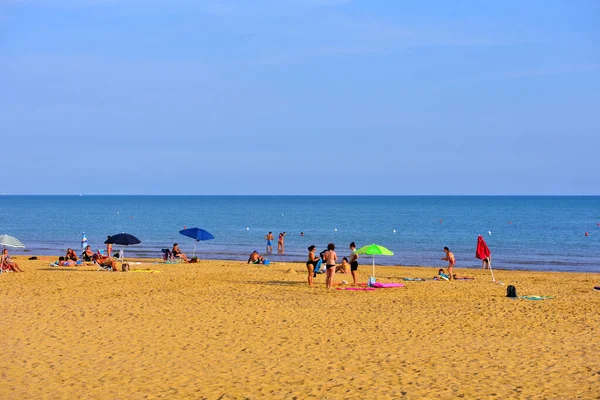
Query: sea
column 543, row 233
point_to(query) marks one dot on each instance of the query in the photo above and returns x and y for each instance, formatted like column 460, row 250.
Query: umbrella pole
column 373, row 273
column 194, row 253
column 490, row 264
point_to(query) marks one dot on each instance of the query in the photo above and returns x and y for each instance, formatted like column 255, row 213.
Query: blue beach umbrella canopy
column 197, row 234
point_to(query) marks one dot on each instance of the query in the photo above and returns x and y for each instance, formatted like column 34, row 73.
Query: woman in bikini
column 330, row 260
column 451, row 261
column 311, row 264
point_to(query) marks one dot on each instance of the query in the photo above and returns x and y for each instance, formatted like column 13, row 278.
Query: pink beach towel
column 356, row 288
column 380, row 285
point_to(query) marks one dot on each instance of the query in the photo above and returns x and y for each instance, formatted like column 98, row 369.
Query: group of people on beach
column 329, row 258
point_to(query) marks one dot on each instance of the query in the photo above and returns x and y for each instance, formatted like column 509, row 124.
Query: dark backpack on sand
column 511, row 291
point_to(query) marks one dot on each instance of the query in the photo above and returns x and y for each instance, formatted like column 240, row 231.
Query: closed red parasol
column 482, row 252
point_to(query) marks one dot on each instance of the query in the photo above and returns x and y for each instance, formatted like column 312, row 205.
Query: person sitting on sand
column 88, row 254
column 178, row 253
column 8, row 264
column 344, row 268
column 442, row 275
column 71, row 255
column 255, row 258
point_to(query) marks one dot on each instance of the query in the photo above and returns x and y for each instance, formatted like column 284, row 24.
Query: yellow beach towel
column 151, row 271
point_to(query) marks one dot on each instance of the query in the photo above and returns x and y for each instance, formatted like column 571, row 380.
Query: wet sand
column 226, row 330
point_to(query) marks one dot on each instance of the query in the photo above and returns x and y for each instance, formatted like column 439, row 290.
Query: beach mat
column 148, row 271
column 536, row 297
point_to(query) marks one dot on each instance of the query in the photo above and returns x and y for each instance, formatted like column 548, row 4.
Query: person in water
column 451, row 261
column 311, row 263
column 269, row 238
column 280, row 244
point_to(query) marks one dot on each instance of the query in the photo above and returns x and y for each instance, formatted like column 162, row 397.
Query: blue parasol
column 197, row 234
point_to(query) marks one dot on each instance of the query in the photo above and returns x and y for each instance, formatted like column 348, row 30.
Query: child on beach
column 330, row 260
column 451, row 262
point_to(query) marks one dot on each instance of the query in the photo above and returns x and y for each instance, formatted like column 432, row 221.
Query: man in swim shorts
column 255, row 258
column 269, row 238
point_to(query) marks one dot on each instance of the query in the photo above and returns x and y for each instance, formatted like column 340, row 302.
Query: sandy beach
column 227, row 330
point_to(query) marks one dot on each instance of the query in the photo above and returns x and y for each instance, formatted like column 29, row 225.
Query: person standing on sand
column 311, row 263
column 330, row 259
column 269, row 237
column 353, row 262
column 451, row 262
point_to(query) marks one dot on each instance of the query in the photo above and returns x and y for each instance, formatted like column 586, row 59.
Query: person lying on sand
column 64, row 262
column 463, row 277
column 7, row 263
column 105, row 261
column 255, row 258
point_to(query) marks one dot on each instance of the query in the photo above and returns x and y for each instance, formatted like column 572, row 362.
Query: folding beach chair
column 167, row 255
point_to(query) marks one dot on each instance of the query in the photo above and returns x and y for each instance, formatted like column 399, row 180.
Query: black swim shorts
column 353, row 265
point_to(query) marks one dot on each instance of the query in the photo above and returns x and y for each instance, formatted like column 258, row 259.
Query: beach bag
column 125, row 267
column 511, row 291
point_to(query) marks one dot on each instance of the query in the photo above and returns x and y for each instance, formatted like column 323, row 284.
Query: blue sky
column 300, row 97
